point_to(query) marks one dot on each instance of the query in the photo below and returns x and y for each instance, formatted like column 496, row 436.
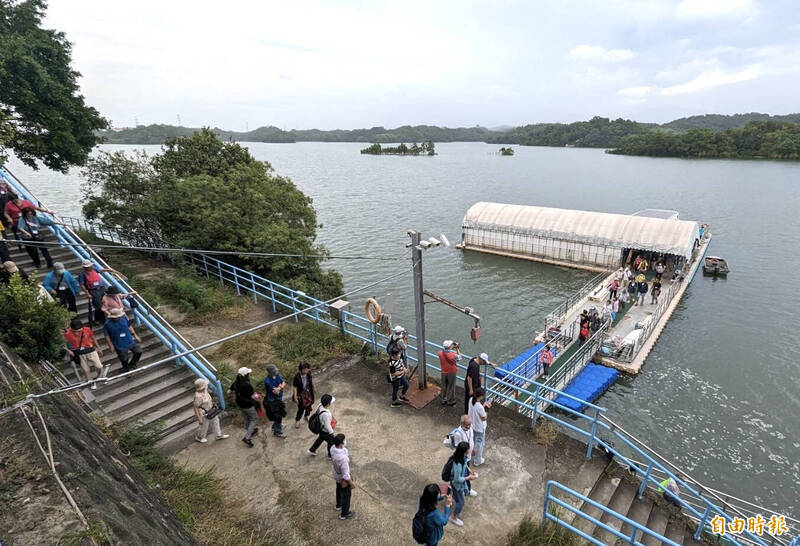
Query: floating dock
column 593, row 381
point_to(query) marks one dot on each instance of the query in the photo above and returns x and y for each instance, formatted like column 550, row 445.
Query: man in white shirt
column 464, row 434
column 477, row 414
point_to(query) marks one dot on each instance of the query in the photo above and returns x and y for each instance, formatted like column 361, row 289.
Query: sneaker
column 473, row 493
column 248, row 441
column 313, row 454
column 451, row 404
column 223, row 436
column 349, row 515
column 201, row 440
column 396, row 404
column 297, row 424
column 338, row 508
column 476, row 463
column 404, row 399
column 456, row 521
column 255, row 431
column 94, row 386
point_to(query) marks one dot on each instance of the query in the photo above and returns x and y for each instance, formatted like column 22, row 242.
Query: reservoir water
column 719, row 393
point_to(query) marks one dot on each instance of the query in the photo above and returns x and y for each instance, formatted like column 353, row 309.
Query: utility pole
column 419, row 306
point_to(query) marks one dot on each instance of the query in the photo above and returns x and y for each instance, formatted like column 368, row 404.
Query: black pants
column 323, row 437
column 33, row 252
column 95, row 312
column 4, row 255
column 67, row 299
column 125, row 358
column 343, row 495
column 302, row 410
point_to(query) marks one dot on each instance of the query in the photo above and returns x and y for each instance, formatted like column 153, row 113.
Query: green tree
column 203, row 193
column 30, row 324
column 43, row 116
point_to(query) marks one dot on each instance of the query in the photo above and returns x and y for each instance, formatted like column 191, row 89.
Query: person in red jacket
column 448, row 359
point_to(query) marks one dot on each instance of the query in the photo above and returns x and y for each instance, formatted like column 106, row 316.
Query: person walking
column 246, row 402
column 123, row 339
column 464, row 433
column 12, row 211
column 460, row 478
column 477, row 415
column 614, row 309
column 340, row 458
column 448, row 359
column 472, row 381
column 642, row 266
column 433, row 520
column 62, row 285
column 398, row 339
column 303, row 392
column 326, row 425
column 612, row 289
column 641, row 289
column 655, row 290
column 83, row 350
column 397, row 373
column 206, row 412
column 660, row 268
column 29, row 227
column 94, row 288
column 546, row 360
column 273, row 402
column 9, row 269
column 113, row 299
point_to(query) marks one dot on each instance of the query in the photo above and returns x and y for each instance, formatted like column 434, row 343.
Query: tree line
column 426, row 148
column 757, row 140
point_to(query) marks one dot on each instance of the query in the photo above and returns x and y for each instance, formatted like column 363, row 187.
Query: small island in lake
column 426, row 148
column 506, row 151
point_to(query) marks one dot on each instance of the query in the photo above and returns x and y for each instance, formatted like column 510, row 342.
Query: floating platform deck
column 593, row 381
column 527, row 363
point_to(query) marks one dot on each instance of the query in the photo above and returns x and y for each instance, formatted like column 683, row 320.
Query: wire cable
column 31, row 397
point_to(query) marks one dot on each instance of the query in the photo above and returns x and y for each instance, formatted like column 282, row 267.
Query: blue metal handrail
column 629, row 539
column 527, row 400
column 144, row 314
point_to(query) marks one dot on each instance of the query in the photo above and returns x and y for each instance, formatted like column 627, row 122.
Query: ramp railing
column 143, row 314
column 591, row 426
column 554, row 317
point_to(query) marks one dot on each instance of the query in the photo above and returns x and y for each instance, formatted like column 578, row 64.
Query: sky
column 313, row 64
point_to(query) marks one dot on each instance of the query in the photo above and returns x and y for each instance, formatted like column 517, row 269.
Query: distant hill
column 156, row 134
column 598, row 132
column 720, row 122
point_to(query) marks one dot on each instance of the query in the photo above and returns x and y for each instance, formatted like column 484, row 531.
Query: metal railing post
column 592, row 437
column 294, row 306
column 272, row 296
column 546, row 504
column 643, row 485
column 535, row 406
column 205, row 265
column 373, row 336
column 253, row 284
column 236, row 282
column 702, row 524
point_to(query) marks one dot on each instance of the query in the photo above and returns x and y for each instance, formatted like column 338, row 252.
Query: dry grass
column 545, row 432
column 530, row 532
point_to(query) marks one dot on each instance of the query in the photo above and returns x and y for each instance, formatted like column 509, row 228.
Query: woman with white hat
column 206, row 412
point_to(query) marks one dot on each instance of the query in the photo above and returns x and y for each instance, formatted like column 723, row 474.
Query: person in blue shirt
column 458, row 481
column 435, row 520
column 29, row 227
column 273, row 402
column 62, row 285
column 123, row 339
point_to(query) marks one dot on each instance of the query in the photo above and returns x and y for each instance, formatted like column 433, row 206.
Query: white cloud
column 599, row 53
column 685, row 71
column 714, row 78
column 716, row 9
column 636, row 92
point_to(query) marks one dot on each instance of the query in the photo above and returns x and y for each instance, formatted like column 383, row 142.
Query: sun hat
column 244, row 371
column 116, row 312
column 58, row 267
column 200, row 384
column 10, row 267
column 447, row 343
column 272, row 370
column 484, row 357
column 398, row 329
column 87, row 263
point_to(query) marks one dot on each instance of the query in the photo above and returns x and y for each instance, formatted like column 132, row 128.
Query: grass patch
column 545, row 432
column 530, row 532
column 97, row 533
column 209, row 513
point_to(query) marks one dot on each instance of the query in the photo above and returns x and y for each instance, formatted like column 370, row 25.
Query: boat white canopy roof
column 669, row 236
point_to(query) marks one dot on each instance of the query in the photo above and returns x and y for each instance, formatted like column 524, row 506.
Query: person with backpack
column 340, row 458
column 303, row 392
column 246, row 402
column 321, row 424
column 273, row 402
column 398, row 340
column 61, row 284
column 397, row 373
column 427, row 527
column 477, row 414
column 460, row 477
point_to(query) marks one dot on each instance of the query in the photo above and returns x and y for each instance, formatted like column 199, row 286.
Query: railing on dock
column 554, row 317
column 524, row 395
column 143, row 314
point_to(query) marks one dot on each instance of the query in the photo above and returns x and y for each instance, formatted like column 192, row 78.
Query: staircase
column 617, row 490
column 161, row 394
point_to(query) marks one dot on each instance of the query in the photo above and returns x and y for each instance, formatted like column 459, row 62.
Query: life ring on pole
column 373, row 311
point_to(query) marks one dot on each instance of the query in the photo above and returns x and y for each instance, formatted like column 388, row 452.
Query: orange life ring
column 373, row 311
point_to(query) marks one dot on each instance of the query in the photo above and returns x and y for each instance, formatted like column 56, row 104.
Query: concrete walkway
column 394, row 452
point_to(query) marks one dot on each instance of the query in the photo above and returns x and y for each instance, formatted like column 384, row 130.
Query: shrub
column 30, row 324
column 531, row 533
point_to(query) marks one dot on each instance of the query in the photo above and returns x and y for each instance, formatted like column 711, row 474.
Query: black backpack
column 391, row 346
column 418, row 529
column 447, row 470
column 314, row 422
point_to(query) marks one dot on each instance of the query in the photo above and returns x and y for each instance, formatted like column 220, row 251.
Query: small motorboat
column 714, row 265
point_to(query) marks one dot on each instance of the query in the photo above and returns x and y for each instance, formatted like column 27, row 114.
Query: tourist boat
column 714, row 265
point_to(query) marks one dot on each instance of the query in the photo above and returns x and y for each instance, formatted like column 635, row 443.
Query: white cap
column 484, row 357
column 244, row 371
column 86, row 263
column 398, row 329
column 447, row 343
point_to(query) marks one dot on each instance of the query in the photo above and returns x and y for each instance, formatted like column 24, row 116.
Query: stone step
column 656, row 522
column 620, row 503
column 171, row 384
column 152, row 350
column 156, row 407
column 638, row 512
column 601, row 493
column 675, row 529
column 113, row 391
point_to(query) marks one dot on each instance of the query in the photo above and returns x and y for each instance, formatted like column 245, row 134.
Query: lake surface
column 719, row 393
